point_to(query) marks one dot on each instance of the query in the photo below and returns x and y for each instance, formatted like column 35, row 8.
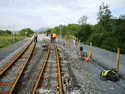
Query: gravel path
column 93, row 71
column 91, row 68
column 105, row 53
column 32, row 70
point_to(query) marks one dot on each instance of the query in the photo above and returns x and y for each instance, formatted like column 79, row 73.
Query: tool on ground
column 109, row 75
column 86, row 59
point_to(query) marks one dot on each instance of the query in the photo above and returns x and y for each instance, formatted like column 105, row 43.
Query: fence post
column 91, row 51
column 68, row 42
column 64, row 40
column 77, row 41
column 79, row 46
column 72, row 44
column 117, row 65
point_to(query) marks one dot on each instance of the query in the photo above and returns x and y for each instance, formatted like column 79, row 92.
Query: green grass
column 6, row 40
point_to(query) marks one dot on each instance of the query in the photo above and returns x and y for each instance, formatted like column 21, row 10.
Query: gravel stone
column 8, row 79
column 75, row 80
column 10, row 51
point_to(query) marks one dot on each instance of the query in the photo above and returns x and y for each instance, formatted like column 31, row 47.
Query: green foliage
column 55, row 30
column 122, row 16
column 5, row 32
column 104, row 13
column 28, row 30
column 6, row 40
column 71, row 29
column 84, row 32
column 48, row 31
column 104, row 16
column 108, row 33
column 42, row 32
column 109, row 40
column 82, row 20
column 8, row 32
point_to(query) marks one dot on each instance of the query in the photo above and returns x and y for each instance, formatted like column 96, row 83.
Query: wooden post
column 79, row 46
column 91, row 51
column 117, row 65
column 68, row 43
column 64, row 41
column 72, row 44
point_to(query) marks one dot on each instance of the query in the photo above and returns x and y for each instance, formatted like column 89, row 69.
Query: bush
column 28, row 30
column 84, row 33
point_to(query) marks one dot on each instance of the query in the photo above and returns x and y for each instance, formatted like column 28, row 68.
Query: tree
column 84, row 32
column 8, row 32
column 28, row 30
column 2, row 32
column 104, row 15
column 122, row 16
column 82, row 20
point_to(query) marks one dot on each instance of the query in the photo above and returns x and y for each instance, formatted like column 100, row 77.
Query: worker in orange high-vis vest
column 54, row 37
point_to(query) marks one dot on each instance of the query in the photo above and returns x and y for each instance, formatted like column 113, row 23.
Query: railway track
column 11, row 72
column 44, row 76
column 49, row 80
column 38, row 71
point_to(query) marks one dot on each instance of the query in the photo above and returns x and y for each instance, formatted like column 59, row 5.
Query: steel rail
column 59, row 73
column 22, row 70
column 41, row 73
column 16, row 57
column 43, row 68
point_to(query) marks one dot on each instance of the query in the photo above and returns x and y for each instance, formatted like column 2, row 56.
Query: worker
column 35, row 37
column 51, row 37
column 54, row 37
column 74, row 44
column 81, row 48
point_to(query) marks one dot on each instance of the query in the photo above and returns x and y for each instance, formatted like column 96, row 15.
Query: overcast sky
column 35, row 14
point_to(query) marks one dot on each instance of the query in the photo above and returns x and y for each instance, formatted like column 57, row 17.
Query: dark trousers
column 35, row 39
column 51, row 40
column 54, row 39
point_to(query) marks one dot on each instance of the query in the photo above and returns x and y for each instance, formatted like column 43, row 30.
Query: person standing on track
column 35, row 37
column 74, row 44
column 54, row 37
column 51, row 37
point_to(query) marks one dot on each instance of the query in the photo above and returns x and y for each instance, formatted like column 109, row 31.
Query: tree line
column 26, row 32
column 5, row 32
column 108, row 33
column 23, row 32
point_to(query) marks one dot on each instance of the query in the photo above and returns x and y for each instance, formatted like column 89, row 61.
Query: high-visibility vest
column 54, row 35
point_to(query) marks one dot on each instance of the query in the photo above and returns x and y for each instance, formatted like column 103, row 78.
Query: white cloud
column 45, row 13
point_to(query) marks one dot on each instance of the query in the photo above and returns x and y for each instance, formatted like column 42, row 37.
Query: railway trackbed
column 50, row 68
column 19, row 74
column 50, row 76
column 37, row 70
column 11, row 72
